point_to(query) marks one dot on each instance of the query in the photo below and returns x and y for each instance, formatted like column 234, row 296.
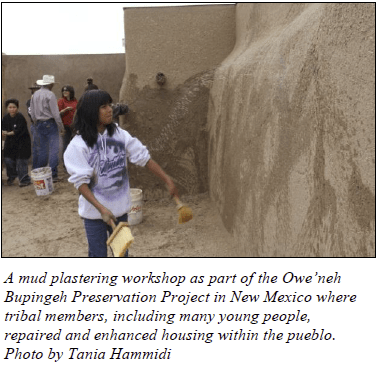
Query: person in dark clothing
column 90, row 85
column 17, row 146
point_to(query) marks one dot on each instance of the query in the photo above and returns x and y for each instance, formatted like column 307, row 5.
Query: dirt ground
column 49, row 226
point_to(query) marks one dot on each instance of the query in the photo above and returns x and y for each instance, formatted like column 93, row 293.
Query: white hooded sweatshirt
column 104, row 168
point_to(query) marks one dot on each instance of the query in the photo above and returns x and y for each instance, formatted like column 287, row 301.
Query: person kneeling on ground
column 96, row 160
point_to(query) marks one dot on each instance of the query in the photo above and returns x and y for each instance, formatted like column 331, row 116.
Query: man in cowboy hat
column 45, row 115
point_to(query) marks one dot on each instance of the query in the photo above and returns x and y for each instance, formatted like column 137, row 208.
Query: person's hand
column 107, row 216
column 156, row 169
column 69, row 109
column 62, row 132
column 173, row 191
column 3, row 134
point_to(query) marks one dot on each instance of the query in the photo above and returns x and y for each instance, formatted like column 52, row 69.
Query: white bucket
column 42, row 180
column 135, row 216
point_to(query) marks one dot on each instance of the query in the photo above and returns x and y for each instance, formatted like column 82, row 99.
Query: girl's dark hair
column 86, row 119
column 71, row 91
column 11, row 100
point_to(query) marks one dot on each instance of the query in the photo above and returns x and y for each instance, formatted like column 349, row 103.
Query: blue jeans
column 17, row 168
column 97, row 233
column 46, row 145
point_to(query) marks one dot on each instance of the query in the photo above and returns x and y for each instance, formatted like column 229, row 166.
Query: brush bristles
column 120, row 250
column 120, row 240
column 185, row 214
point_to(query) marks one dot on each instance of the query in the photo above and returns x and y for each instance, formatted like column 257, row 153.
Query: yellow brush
column 184, row 212
column 120, row 240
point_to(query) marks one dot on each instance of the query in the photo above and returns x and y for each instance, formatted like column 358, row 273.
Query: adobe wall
column 22, row 71
column 185, row 44
column 292, row 131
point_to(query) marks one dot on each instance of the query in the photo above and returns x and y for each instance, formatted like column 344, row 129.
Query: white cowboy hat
column 47, row 80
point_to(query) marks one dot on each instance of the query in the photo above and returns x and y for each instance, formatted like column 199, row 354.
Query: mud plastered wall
column 185, row 44
column 292, row 131
column 22, row 71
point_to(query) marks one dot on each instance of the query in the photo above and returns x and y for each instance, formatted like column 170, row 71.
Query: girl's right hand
column 107, row 216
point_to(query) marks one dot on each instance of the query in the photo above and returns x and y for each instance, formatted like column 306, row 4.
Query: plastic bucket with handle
column 135, row 216
column 42, row 180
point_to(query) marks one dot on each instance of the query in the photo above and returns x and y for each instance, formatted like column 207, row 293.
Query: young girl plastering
column 97, row 159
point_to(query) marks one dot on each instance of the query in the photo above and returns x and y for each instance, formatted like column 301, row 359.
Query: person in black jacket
column 90, row 85
column 17, row 146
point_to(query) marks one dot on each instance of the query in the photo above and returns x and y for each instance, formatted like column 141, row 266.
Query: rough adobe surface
column 185, row 44
column 172, row 123
column 292, row 128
